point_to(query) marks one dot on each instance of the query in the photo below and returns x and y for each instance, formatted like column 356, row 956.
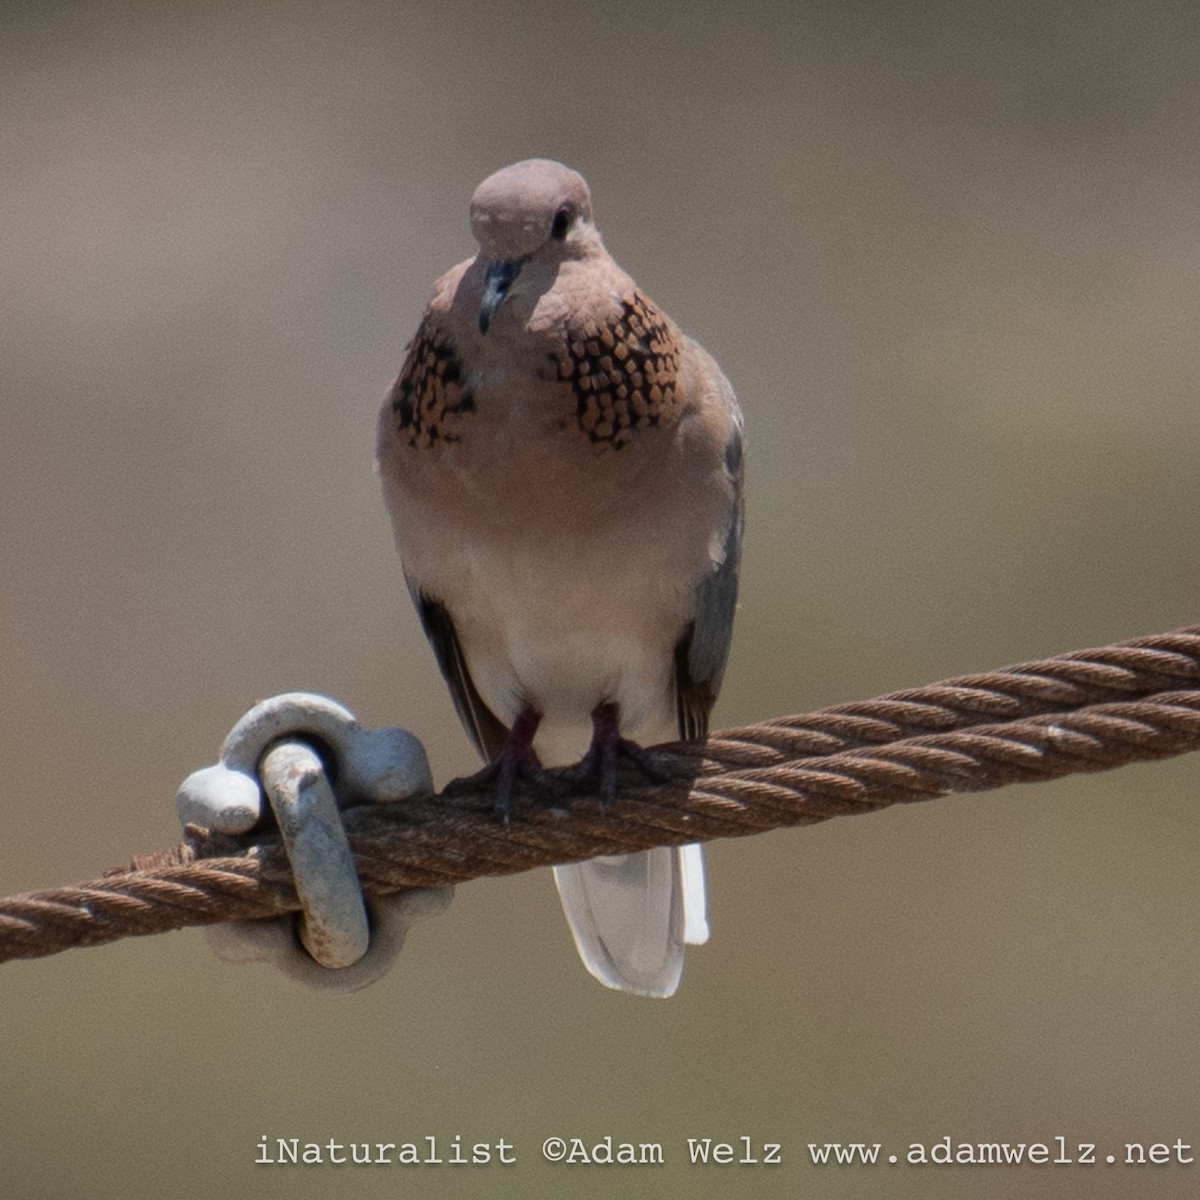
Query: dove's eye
column 562, row 222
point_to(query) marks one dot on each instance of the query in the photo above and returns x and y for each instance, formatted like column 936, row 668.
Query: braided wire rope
column 1088, row 710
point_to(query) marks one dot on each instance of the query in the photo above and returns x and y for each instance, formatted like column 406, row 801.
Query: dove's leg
column 602, row 762
column 516, row 760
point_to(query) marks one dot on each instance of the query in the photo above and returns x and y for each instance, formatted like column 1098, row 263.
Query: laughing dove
column 563, row 471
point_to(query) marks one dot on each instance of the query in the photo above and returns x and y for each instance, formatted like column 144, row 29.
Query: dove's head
column 537, row 209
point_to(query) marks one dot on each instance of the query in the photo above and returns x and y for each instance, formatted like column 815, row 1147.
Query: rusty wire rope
column 1089, row 710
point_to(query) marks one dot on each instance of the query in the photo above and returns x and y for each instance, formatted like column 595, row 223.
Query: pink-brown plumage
column 563, row 471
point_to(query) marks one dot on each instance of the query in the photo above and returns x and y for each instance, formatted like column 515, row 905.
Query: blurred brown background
column 949, row 254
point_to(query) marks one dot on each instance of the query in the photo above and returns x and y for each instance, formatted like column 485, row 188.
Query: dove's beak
column 496, row 282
